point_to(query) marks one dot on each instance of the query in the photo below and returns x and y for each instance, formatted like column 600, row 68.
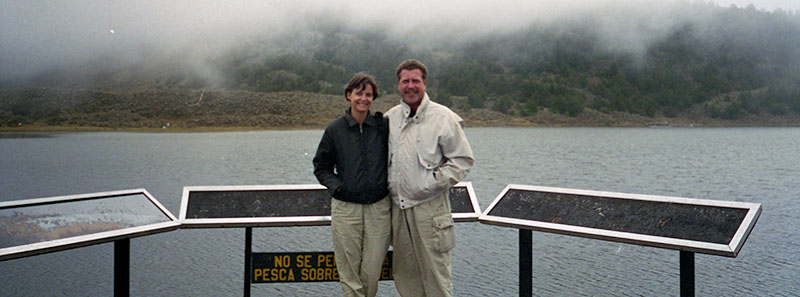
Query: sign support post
column 122, row 267
column 525, row 262
column 248, row 251
column 687, row 274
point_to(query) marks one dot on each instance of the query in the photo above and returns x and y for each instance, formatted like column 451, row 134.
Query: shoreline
column 78, row 129
column 468, row 124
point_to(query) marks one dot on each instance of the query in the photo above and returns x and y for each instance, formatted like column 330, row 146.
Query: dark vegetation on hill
column 740, row 67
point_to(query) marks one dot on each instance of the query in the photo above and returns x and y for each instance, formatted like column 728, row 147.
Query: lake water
column 760, row 165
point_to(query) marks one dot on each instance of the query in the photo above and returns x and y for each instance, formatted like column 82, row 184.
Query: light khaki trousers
column 422, row 237
column 361, row 237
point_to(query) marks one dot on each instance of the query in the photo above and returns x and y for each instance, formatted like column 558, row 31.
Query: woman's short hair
column 360, row 81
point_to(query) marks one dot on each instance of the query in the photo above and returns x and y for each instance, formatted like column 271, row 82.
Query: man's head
column 361, row 91
column 412, row 77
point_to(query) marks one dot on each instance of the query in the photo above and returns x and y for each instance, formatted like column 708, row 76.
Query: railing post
column 122, row 267
column 248, row 246
column 525, row 262
column 687, row 274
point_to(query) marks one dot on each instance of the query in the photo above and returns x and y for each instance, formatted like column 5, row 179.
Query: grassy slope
column 42, row 109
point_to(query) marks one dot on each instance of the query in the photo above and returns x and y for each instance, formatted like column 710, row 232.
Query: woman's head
column 359, row 82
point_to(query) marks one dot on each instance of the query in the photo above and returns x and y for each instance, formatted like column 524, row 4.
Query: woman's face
column 360, row 99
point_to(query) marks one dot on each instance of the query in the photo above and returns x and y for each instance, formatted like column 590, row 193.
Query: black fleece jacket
column 351, row 159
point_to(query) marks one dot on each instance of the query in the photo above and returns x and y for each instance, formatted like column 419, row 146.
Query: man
column 428, row 154
column 351, row 162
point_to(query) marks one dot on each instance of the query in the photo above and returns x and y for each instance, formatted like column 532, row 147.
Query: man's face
column 411, row 86
column 360, row 99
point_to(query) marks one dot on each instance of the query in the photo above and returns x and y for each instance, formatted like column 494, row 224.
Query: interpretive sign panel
column 686, row 224
column 38, row 226
column 463, row 203
column 283, row 205
column 302, row 267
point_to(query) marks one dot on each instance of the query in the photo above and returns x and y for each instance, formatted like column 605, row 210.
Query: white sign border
column 730, row 250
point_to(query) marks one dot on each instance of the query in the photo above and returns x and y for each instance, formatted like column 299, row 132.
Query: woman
column 351, row 162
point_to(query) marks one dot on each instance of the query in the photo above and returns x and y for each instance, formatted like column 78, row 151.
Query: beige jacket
column 428, row 153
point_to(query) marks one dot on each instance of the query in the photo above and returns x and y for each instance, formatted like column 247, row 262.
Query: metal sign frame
column 687, row 248
column 251, row 221
column 729, row 250
column 89, row 239
column 468, row 216
column 288, row 221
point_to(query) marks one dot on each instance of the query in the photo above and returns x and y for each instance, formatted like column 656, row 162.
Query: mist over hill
column 654, row 63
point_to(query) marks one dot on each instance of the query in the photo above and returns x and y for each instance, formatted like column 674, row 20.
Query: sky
column 769, row 5
column 38, row 34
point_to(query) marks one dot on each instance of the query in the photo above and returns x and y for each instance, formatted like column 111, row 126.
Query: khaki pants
column 422, row 237
column 361, row 237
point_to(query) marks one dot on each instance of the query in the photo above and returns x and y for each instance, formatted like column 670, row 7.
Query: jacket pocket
column 429, row 155
column 429, row 184
column 443, row 233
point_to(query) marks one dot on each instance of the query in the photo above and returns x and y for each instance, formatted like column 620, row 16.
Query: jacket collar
column 369, row 120
column 420, row 110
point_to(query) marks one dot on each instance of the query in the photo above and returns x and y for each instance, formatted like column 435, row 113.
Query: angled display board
column 38, row 226
column 255, row 206
column 693, row 225
column 283, row 205
column 463, row 203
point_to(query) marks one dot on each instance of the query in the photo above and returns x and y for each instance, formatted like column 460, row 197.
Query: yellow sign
column 302, row 267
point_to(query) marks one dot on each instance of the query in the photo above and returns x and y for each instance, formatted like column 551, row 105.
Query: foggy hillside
column 652, row 59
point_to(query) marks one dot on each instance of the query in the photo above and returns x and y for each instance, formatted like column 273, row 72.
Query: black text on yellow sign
column 302, row 267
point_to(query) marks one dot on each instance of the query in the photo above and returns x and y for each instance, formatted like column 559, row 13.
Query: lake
column 760, row 165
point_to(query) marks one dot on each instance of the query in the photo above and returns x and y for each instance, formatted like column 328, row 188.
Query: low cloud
column 38, row 35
